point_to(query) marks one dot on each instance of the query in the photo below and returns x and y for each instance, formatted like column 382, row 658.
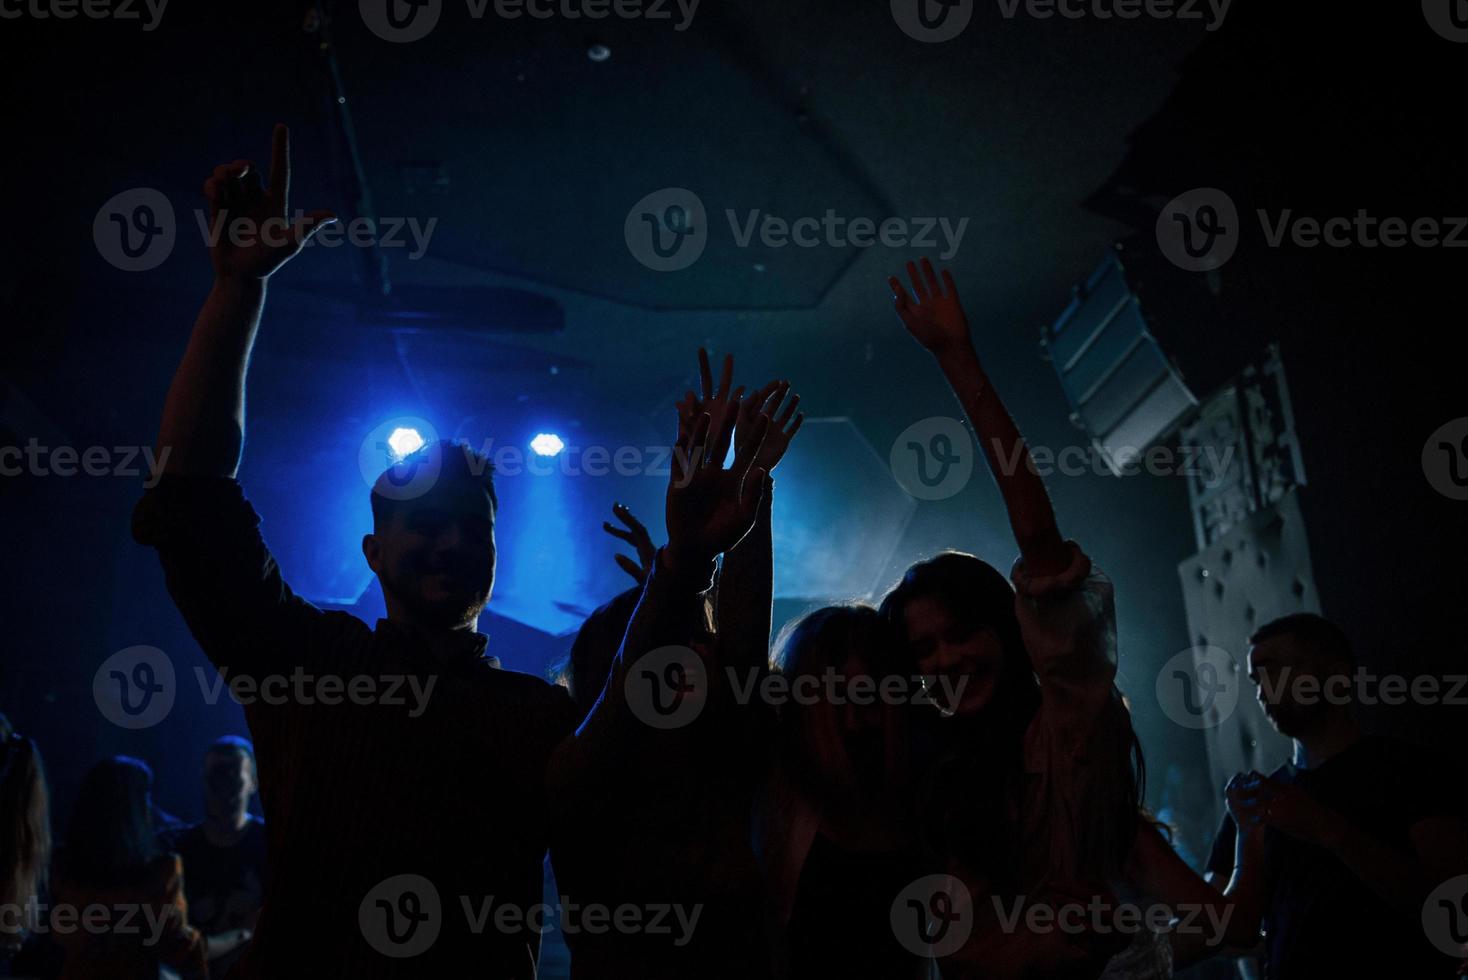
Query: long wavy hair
column 973, row 782
column 25, row 822
column 810, row 743
column 110, row 840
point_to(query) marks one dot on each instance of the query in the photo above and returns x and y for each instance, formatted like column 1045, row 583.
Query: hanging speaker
column 1123, row 390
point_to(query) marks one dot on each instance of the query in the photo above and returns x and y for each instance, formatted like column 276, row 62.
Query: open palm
column 781, row 428
column 932, row 313
column 711, row 507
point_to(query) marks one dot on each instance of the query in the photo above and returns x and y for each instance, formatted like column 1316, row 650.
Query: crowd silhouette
column 711, row 807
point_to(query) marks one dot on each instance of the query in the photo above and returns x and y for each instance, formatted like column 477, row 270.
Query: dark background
column 1055, row 137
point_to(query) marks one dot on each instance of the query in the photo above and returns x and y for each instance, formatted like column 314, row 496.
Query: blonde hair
column 25, row 825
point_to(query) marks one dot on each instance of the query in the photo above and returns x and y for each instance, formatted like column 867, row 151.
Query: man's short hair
column 1316, row 635
column 456, row 461
column 232, row 745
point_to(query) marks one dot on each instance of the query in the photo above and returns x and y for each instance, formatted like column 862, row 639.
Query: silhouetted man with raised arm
column 405, row 800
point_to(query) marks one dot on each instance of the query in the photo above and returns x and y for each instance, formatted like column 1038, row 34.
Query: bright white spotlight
column 404, row 442
column 547, row 444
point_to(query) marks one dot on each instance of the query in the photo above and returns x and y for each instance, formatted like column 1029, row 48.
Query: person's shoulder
column 535, row 693
column 1412, row 766
column 181, row 837
column 345, row 624
column 1388, row 756
column 528, row 686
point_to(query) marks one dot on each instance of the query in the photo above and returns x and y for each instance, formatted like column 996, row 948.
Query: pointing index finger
column 280, row 164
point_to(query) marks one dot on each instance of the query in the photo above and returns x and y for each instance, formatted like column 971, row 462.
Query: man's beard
column 1292, row 722
column 450, row 612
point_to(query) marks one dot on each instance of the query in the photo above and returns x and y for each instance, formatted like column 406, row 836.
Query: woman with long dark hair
column 1033, row 776
column 833, row 825
column 112, row 862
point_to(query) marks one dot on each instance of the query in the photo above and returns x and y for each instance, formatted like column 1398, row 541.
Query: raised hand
column 781, row 429
column 710, row 507
column 1245, row 798
column 251, row 225
column 721, row 404
column 1293, row 811
column 636, row 535
column 932, row 313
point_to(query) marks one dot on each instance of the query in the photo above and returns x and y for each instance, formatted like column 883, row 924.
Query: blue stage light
column 403, row 442
column 547, row 444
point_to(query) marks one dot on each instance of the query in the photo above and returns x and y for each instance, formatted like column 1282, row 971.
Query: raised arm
column 710, row 508
column 934, row 316
column 204, row 415
column 747, row 579
column 218, row 569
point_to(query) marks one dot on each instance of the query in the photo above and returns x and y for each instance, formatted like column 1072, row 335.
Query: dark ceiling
column 528, row 155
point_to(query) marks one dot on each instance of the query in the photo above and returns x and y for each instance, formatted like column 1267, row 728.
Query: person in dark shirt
column 1355, row 832
column 404, row 775
column 681, row 813
column 225, row 854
